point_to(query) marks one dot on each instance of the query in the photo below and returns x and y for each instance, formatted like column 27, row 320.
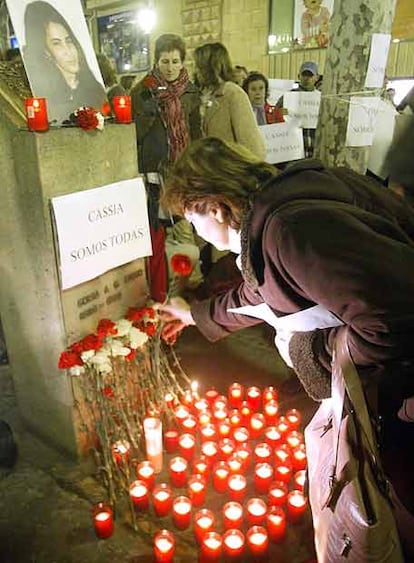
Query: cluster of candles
column 237, row 443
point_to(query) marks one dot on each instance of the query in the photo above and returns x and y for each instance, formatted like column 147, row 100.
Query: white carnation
column 137, row 338
column 123, row 326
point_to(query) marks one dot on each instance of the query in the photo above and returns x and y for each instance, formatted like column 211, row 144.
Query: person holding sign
column 256, row 86
column 318, row 248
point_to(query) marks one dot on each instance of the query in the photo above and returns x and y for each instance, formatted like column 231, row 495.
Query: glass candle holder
column 235, row 464
column 208, row 432
column 272, row 436
column 257, row 425
column 294, row 418
column 164, row 545
column 211, row 547
column 224, row 428
column 270, row 394
column 169, row 400
column 201, row 466
column 256, row 510
column 138, row 491
column 201, row 405
column 233, row 545
column 236, row 487
column 171, row 441
column 263, row 476
column 276, row 524
column 235, row 395
column 220, row 475
column 122, row 109
column 103, row 520
column 226, row 448
column 244, row 453
column 235, row 418
column 254, row 398
column 283, row 426
column 283, row 472
column 180, row 413
column 282, row 454
column 162, row 497
column 189, row 424
column 294, row 438
column 232, row 515
column 257, row 540
column 270, row 411
column 296, row 505
column 204, row 521
column 220, row 403
column 277, row 494
column 186, row 446
column 241, row 435
column 181, row 512
column 153, row 442
column 197, row 489
column 211, row 395
column 245, row 413
column 210, row 451
column 145, row 472
column 178, row 471
column 262, row 453
column 299, row 460
column 299, row 480
column 36, row 114
column 204, row 418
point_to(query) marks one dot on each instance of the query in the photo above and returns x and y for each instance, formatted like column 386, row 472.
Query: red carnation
column 181, row 264
column 69, row 359
column 87, row 119
column 108, row 391
column 91, row 342
column 105, row 327
column 150, row 81
column 150, row 329
column 131, row 355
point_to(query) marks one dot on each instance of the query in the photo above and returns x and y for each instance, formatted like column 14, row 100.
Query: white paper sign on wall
column 283, row 141
column 303, row 107
column 380, row 44
column 362, row 118
column 100, row 229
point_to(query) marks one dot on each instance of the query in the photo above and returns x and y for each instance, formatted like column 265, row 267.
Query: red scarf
column 169, row 96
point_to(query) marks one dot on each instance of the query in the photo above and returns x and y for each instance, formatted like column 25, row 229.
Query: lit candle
column 263, row 476
column 211, row 546
column 164, row 546
column 211, row 395
column 171, row 441
column 257, row 424
column 277, row 494
column 294, row 418
column 201, row 405
column 208, row 432
column 226, row 448
column 145, row 472
column 103, row 520
column 178, row 471
column 296, row 505
column 162, row 499
column 269, row 394
column 235, row 418
column 186, row 446
column 270, row 411
column 181, row 412
column 36, row 114
column 272, row 436
column 233, row 545
column 169, row 400
column 220, row 476
column 299, row 460
column 283, row 425
column 153, row 441
column 299, row 480
column 122, row 109
column 244, row 453
column 189, row 424
column 210, row 451
column 194, row 390
column 187, row 399
column 276, row 524
column 235, row 464
column 235, row 395
column 138, row 491
column 236, row 486
column 245, row 413
column 258, row 541
column 254, row 398
column 256, row 510
column 201, row 466
column 294, row 439
column 204, row 418
column 232, row 515
column 262, row 453
column 241, row 435
column 224, row 428
column 219, row 415
column 120, row 451
column 282, row 454
column 181, row 512
column 203, row 522
column 220, row 402
column 197, row 489
column 283, row 472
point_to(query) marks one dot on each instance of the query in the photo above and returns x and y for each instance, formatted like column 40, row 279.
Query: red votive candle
column 171, row 441
column 197, row 489
column 201, row 466
column 294, row 418
column 220, row 476
column 181, row 512
column 224, row 428
column 296, row 505
column 120, row 451
column 235, row 418
column 181, row 412
column 257, row 424
column 208, row 432
column 220, row 415
column 138, row 491
column 272, row 436
column 277, row 494
column 236, row 487
column 36, row 114
column 164, row 545
column 235, row 395
column 244, row 452
column 201, row 405
column 270, row 394
column 103, row 520
column 178, row 471
column 283, row 472
column 235, row 464
column 226, row 448
column 232, row 515
column 145, row 471
column 270, row 410
column 283, row 426
column 233, row 545
column 262, row 453
column 189, row 424
column 299, row 460
column 256, row 510
column 188, row 398
column 169, row 400
column 211, row 547
column 162, row 499
column 186, row 446
column 210, row 451
column 282, row 454
column 276, row 524
column 203, row 522
column 211, row 395
column 241, row 435
column 204, row 417
column 257, row 539
column 294, row 439
column 220, row 402
column 299, row 480
column 245, row 413
column 122, row 109
column 263, row 476
column 254, row 398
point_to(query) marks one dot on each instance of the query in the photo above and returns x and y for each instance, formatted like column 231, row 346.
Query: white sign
column 361, row 121
column 101, row 229
column 283, row 141
column 383, row 135
column 380, row 44
column 303, row 107
column 277, row 88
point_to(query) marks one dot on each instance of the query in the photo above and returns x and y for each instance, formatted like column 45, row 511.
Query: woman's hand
column 176, row 315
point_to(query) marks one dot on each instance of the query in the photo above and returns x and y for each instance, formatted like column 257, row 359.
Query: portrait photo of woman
column 56, row 65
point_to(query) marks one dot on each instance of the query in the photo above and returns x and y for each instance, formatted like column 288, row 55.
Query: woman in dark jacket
column 308, row 236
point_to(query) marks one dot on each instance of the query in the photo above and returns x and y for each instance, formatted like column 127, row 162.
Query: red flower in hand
column 69, row 360
column 150, row 81
column 181, row 264
column 87, row 119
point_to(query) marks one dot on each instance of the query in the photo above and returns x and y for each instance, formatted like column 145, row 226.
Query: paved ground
column 45, row 501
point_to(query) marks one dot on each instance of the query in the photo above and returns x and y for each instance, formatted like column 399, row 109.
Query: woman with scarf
column 166, row 110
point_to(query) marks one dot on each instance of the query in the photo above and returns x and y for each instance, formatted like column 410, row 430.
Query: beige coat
column 228, row 115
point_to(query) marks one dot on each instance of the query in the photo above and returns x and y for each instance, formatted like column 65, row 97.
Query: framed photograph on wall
column 311, row 22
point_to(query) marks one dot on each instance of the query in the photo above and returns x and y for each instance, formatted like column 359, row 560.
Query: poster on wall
column 311, row 24
column 58, row 55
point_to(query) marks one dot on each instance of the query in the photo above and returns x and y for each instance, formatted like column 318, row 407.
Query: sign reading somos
column 100, row 229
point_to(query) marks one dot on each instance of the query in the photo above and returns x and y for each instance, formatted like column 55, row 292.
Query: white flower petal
column 123, row 326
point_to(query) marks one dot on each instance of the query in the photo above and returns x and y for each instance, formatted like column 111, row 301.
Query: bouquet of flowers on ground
column 87, row 118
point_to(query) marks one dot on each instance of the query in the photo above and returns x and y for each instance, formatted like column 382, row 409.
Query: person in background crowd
column 239, row 74
column 127, row 82
column 308, row 78
column 256, row 87
column 276, row 222
column 112, row 86
column 166, row 110
column 56, row 64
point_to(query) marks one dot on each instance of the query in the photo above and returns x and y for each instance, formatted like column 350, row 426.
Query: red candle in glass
column 103, row 520
column 299, row 460
column 36, row 114
column 208, row 432
column 210, row 451
column 169, row 400
column 263, row 476
column 226, row 448
column 162, row 499
column 245, row 413
column 211, row 547
column 294, row 439
column 204, row 521
column 220, row 476
column 282, row 454
column 204, row 418
column 224, row 428
column 201, row 405
column 235, row 418
column 283, row 426
column 276, row 524
column 299, row 480
column 219, row 415
column 241, row 435
column 138, row 491
column 122, row 109
column 178, row 471
column 120, row 451
column 256, row 510
column 235, row 395
column 296, row 505
column 181, row 412
column 164, row 544
column 294, row 418
column 257, row 539
column 270, row 410
column 188, row 398
column 277, row 494
column 257, row 424
column 233, row 545
column 189, row 424
column 254, row 398
column 197, row 488
column 272, row 436
column 235, row 464
column 244, row 453
column 262, row 453
column 283, row 472
column 186, row 446
column 211, row 395
column 270, row 393
column 181, row 512
column 201, row 466
column 232, row 515
column 145, row 471
column 236, row 487
column 171, row 441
